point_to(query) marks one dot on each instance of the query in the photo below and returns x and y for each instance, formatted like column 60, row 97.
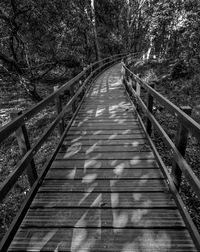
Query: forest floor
column 183, row 91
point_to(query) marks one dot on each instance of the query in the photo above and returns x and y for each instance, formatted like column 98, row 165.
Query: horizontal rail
column 188, row 122
column 13, row 177
column 9, row 128
column 184, row 166
column 192, row 228
column 7, row 239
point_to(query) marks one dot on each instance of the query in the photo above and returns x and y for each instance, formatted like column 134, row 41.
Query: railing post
column 58, row 104
column 24, row 145
column 124, row 76
column 138, row 91
column 181, row 143
column 150, row 109
column 122, row 72
column 71, row 95
column 128, row 85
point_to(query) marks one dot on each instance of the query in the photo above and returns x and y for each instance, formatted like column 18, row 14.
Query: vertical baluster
column 138, row 91
column 24, row 145
column 71, row 95
column 150, row 108
column 181, row 143
column 58, row 104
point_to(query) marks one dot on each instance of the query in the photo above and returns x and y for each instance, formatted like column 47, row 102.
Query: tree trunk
column 96, row 41
column 30, row 89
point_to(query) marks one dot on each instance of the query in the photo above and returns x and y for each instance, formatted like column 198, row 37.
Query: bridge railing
column 144, row 103
column 186, row 124
column 18, row 124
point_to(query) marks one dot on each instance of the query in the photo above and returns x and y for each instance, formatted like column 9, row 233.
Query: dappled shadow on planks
column 104, row 191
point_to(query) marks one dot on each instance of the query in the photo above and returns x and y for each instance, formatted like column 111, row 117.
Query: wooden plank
column 105, row 137
column 103, row 117
column 109, row 124
column 91, row 164
column 114, row 105
column 127, row 142
column 95, row 148
column 75, row 173
column 91, row 100
column 103, row 239
column 106, row 127
column 97, row 185
column 105, row 112
column 78, row 132
column 109, row 218
column 106, row 200
column 106, row 96
column 106, row 120
column 106, row 156
column 98, row 105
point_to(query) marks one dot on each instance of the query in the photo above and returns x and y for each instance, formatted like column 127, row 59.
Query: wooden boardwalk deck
column 104, row 191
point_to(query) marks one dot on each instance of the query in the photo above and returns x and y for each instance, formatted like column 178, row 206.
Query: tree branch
column 10, row 61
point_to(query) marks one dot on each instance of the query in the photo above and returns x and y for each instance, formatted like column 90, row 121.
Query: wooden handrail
column 5, row 243
column 12, row 126
column 182, row 118
column 8, row 129
column 188, row 122
column 180, row 165
column 184, row 166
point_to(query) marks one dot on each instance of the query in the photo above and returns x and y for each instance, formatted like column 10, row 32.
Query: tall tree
column 97, row 47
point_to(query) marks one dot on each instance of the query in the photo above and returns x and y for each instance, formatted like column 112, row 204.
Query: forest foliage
column 42, row 38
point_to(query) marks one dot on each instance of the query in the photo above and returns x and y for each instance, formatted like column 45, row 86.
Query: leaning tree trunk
column 30, row 89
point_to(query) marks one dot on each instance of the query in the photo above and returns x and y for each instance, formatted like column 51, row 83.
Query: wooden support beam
column 150, row 108
column 24, row 145
column 181, row 143
column 138, row 91
column 58, row 104
column 71, row 95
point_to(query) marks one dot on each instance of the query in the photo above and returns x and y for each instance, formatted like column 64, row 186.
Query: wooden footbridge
column 105, row 188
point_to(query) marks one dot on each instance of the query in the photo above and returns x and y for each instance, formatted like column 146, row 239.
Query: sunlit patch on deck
column 92, row 164
column 89, row 178
column 137, row 215
column 73, row 149
column 72, row 174
column 118, row 170
column 120, row 220
column 92, row 148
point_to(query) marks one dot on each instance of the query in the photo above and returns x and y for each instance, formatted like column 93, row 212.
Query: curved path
column 104, row 191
